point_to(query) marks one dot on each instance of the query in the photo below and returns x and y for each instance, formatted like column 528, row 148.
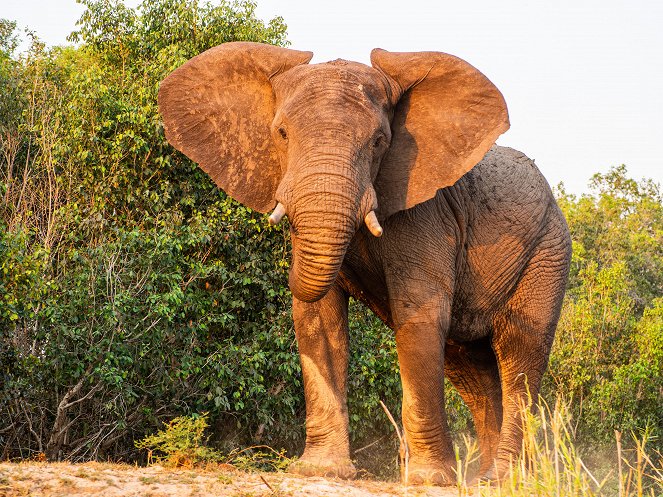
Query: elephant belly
column 504, row 207
column 469, row 325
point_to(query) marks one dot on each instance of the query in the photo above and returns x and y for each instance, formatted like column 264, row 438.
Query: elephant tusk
column 373, row 224
column 277, row 215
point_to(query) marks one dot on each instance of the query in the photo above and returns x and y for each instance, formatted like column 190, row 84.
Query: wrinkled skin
column 470, row 270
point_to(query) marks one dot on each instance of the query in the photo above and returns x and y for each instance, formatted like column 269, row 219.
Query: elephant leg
column 472, row 369
column 420, row 339
column 322, row 336
column 522, row 338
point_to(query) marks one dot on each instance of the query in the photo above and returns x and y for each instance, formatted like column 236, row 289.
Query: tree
column 128, row 292
column 608, row 350
column 133, row 291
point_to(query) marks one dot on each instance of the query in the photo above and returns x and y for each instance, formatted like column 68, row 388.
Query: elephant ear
column 217, row 109
column 446, row 117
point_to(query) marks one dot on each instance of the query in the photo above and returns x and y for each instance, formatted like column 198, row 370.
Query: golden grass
column 551, row 465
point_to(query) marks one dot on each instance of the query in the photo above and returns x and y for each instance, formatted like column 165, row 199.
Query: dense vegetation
column 133, row 291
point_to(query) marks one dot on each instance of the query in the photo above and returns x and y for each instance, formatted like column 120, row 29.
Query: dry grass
column 552, row 467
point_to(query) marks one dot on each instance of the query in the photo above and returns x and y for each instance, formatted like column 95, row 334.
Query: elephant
column 396, row 195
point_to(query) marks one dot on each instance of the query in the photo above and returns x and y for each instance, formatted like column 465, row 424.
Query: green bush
column 608, row 349
column 180, row 443
column 133, row 291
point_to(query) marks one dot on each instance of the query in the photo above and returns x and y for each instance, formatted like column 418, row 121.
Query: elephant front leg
column 420, row 342
column 322, row 336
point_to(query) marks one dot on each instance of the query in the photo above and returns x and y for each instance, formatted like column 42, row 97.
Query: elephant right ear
column 217, row 109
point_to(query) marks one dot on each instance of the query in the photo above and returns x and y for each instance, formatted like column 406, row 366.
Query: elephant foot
column 495, row 474
column 426, row 474
column 327, row 466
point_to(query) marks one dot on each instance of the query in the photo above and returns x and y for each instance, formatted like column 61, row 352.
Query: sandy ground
column 62, row 479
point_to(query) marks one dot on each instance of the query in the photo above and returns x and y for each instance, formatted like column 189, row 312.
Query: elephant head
column 330, row 145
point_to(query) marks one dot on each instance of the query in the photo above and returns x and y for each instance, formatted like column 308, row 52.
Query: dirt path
column 114, row 480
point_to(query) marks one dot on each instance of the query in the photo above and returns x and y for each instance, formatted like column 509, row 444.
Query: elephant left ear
column 447, row 115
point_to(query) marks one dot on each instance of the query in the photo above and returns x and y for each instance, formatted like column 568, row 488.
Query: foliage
column 181, row 443
column 608, row 349
column 259, row 458
column 621, row 221
column 133, row 291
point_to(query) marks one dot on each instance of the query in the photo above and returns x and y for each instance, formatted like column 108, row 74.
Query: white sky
column 583, row 79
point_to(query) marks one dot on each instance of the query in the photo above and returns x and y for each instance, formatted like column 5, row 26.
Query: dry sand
column 103, row 479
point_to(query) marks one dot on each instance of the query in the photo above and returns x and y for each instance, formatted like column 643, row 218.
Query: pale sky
column 583, row 79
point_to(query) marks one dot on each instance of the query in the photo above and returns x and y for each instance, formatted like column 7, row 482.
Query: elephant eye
column 378, row 141
column 283, row 133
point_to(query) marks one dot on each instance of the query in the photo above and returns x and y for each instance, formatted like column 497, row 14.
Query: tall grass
column 552, row 466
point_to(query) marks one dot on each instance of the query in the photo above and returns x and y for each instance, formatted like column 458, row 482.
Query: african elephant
column 397, row 196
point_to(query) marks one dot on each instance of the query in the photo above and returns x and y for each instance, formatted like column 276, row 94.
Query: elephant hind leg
column 522, row 339
column 472, row 369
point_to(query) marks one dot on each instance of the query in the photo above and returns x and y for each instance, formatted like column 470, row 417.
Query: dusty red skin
column 470, row 270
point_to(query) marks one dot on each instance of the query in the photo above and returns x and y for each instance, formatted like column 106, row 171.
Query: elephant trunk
column 324, row 217
column 315, row 264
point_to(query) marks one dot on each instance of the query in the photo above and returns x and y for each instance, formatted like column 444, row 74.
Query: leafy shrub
column 126, row 274
column 133, row 291
column 607, row 352
column 181, row 443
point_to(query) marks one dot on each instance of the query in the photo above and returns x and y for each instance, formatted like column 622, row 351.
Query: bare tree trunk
column 62, row 423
